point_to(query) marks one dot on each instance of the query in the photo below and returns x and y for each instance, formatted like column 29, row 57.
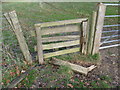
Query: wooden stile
column 59, row 27
column 99, row 27
column 12, row 19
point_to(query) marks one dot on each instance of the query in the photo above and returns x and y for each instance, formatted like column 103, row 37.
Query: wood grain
column 64, row 22
column 62, row 44
column 21, row 39
column 61, row 52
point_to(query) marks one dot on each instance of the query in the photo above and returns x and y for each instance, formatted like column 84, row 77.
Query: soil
column 108, row 67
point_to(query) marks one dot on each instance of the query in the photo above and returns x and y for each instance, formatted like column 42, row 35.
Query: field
column 50, row 75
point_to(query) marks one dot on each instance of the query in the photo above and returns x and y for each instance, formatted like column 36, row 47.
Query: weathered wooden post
column 39, row 44
column 99, row 27
column 12, row 19
column 92, row 32
column 84, row 37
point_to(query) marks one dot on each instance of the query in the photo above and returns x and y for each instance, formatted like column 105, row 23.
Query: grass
column 32, row 13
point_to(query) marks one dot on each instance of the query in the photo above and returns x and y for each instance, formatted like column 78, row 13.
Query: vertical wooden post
column 99, row 27
column 92, row 32
column 39, row 45
column 21, row 39
column 84, row 37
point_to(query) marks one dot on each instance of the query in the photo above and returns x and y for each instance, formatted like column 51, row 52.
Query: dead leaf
column 70, row 85
column 7, row 81
column 12, row 73
column 17, row 70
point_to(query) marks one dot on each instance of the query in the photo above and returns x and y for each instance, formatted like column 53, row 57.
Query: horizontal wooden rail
column 110, row 36
column 104, row 47
column 64, row 22
column 62, row 44
column 60, row 38
column 116, row 25
column 61, row 29
column 57, row 53
column 111, row 4
column 112, row 16
column 111, row 31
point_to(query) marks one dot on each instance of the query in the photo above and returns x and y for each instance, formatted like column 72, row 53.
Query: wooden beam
column 62, row 44
column 60, row 29
column 58, row 23
column 57, row 53
column 60, row 38
column 39, row 45
column 99, row 27
column 21, row 39
column 74, row 67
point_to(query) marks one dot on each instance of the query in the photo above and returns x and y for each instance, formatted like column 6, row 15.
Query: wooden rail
column 58, row 23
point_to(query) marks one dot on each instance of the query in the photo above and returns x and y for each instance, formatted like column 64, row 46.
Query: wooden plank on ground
column 62, row 44
column 99, row 27
column 74, row 67
column 60, row 38
column 64, row 22
column 21, row 39
column 39, row 45
column 60, row 29
column 57, row 53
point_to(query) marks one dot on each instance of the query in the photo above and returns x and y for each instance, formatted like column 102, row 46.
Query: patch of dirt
column 108, row 67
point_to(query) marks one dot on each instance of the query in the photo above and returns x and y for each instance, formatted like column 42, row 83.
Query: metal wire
column 110, row 4
column 111, row 25
column 112, row 16
column 104, row 47
column 111, row 31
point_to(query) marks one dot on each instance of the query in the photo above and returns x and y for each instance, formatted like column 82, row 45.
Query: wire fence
column 110, row 34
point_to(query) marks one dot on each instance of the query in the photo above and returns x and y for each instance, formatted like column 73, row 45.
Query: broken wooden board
column 74, row 67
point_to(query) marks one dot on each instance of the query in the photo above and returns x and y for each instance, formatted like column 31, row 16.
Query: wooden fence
column 66, row 26
column 87, row 40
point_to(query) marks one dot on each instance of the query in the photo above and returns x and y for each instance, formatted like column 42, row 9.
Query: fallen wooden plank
column 74, row 67
column 64, row 22
column 57, row 53
column 62, row 44
column 18, row 79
